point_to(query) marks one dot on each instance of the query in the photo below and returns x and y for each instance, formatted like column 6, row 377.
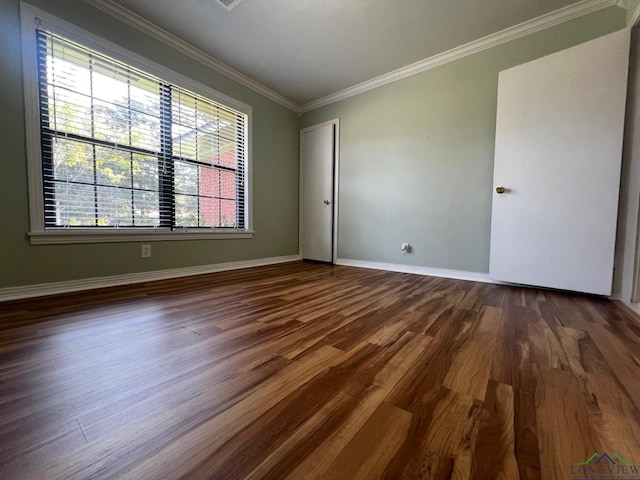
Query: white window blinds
column 123, row 148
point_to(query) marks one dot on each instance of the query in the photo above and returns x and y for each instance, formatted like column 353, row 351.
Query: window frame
column 33, row 18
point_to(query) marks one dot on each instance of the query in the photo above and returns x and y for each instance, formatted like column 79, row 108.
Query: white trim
column 336, row 188
column 38, row 290
column 300, row 190
column 531, row 26
column 32, row 116
column 336, row 182
column 417, row 270
column 445, row 273
column 32, row 17
column 67, row 236
column 634, row 307
column 127, row 16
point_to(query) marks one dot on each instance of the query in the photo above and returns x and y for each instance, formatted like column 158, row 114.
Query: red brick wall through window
column 221, row 210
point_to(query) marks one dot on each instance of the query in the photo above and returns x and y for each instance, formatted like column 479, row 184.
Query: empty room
column 317, row 239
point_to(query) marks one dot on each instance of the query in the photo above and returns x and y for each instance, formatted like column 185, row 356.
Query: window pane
column 111, row 122
column 186, row 211
column 210, row 212
column 114, row 207
column 69, row 112
column 210, row 182
column 146, row 209
column 215, row 212
column 74, row 205
column 72, row 161
column 145, row 172
column 187, row 178
column 113, row 167
column 227, row 213
column 227, row 185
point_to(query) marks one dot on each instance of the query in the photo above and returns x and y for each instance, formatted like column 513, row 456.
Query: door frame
column 336, row 179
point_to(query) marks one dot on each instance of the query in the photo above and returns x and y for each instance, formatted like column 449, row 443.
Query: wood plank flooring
column 310, row 371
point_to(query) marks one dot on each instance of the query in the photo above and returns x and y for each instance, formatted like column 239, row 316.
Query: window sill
column 65, row 236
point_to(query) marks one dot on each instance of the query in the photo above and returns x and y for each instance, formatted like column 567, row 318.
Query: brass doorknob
column 327, row 202
column 500, row 189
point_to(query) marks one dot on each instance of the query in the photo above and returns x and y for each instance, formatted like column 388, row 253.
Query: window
column 125, row 152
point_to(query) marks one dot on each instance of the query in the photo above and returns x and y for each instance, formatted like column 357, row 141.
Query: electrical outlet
column 405, row 248
column 146, row 251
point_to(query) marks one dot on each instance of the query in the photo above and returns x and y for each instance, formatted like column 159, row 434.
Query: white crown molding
column 56, row 288
column 127, row 16
column 531, row 26
column 417, row 270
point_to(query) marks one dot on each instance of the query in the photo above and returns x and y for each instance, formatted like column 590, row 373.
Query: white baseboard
column 635, row 307
column 41, row 289
column 428, row 271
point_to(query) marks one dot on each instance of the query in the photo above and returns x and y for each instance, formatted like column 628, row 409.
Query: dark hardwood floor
column 304, row 371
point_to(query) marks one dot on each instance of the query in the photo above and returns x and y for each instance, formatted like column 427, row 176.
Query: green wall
column 631, row 8
column 416, row 156
column 275, row 168
column 416, row 160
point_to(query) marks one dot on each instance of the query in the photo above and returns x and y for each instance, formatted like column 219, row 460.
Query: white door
column 558, row 152
column 318, row 153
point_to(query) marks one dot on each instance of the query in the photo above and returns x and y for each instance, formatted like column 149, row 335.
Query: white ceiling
column 308, row 49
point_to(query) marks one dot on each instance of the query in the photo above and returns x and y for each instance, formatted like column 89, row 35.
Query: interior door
column 558, row 151
column 318, row 153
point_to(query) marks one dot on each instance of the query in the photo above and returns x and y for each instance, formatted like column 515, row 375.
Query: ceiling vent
column 229, row 4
